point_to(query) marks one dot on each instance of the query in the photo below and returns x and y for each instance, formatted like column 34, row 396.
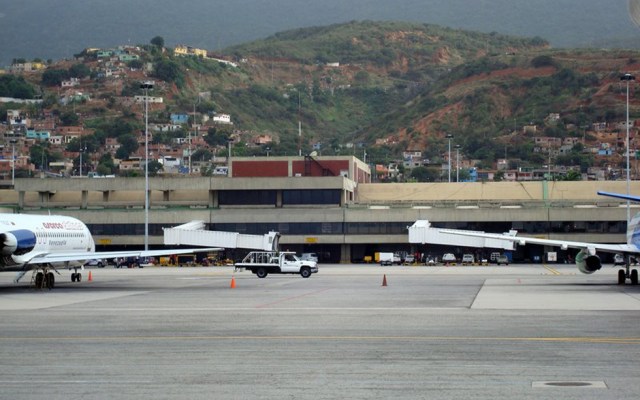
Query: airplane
column 45, row 243
column 587, row 260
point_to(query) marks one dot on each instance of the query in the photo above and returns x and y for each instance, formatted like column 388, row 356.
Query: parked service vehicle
column 385, row 258
column 397, row 259
column 618, row 259
column 467, row 259
column 309, row 257
column 98, row 262
column 263, row 263
column 409, row 259
column 448, row 258
column 502, row 259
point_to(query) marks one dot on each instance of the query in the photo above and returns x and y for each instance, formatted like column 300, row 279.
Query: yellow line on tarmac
column 593, row 340
column 552, row 270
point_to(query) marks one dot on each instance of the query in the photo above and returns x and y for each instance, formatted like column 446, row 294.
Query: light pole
column 81, row 151
column 628, row 77
column 146, row 85
column 458, row 162
column 449, row 136
column 229, row 141
column 13, row 162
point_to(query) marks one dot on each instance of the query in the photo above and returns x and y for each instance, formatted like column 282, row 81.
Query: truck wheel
column 261, row 273
column 305, row 272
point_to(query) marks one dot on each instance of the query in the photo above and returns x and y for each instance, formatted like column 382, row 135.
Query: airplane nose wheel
column 76, row 276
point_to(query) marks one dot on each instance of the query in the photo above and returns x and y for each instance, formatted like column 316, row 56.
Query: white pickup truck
column 263, row 263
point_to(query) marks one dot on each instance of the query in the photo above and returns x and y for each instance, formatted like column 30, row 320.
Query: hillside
column 55, row 29
column 339, row 79
column 379, row 87
column 488, row 102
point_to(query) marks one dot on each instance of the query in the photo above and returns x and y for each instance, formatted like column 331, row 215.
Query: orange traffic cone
column 384, row 280
column 233, row 282
column 90, row 277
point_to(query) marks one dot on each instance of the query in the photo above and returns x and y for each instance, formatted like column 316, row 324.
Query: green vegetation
column 351, row 84
column 16, row 87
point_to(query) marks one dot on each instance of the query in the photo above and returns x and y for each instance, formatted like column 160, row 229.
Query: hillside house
column 184, row 50
column 150, row 99
column 222, row 119
column 179, row 119
column 70, row 83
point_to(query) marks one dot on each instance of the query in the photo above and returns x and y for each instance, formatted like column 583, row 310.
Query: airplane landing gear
column 631, row 274
column 44, row 278
column 76, row 276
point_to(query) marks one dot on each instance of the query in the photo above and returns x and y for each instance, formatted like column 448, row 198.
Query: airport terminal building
column 325, row 205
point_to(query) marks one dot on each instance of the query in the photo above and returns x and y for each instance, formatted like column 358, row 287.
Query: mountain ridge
column 53, row 29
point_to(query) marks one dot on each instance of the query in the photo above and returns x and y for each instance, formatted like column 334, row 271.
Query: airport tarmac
column 516, row 332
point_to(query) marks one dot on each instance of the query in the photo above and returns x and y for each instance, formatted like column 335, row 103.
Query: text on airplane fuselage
column 60, row 225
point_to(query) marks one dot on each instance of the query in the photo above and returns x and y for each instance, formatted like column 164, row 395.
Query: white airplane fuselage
column 25, row 237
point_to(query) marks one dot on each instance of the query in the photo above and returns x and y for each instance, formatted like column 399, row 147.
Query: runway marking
column 552, row 270
column 590, row 340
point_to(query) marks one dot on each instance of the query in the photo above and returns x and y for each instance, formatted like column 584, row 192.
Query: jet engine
column 587, row 263
column 17, row 242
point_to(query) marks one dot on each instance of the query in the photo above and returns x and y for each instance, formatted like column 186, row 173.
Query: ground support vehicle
column 502, row 259
column 449, row 259
column 263, row 263
column 384, row 258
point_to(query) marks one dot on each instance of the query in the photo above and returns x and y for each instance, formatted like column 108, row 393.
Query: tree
column 88, row 144
column 54, row 77
column 128, row 145
column 79, row 71
column 216, row 137
column 424, row 174
column 40, row 156
column 169, row 71
column 106, row 165
column 69, row 118
column 154, row 167
column 572, row 176
column 202, row 155
column 158, row 41
column 135, row 64
column 15, row 86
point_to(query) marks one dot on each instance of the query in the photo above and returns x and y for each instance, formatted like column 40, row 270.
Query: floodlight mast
column 146, row 86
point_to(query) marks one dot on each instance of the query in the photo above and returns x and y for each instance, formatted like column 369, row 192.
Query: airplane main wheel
column 39, row 280
column 50, row 281
column 622, row 277
column 634, row 277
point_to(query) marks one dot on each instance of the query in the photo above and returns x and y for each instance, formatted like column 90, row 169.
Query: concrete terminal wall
column 176, row 201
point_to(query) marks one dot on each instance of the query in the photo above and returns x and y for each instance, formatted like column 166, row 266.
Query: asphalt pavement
column 348, row 332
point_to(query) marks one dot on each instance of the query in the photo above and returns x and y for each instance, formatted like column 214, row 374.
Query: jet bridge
column 421, row 232
column 194, row 234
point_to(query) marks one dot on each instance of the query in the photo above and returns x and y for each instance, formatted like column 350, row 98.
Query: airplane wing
column 80, row 256
column 619, row 196
column 564, row 244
